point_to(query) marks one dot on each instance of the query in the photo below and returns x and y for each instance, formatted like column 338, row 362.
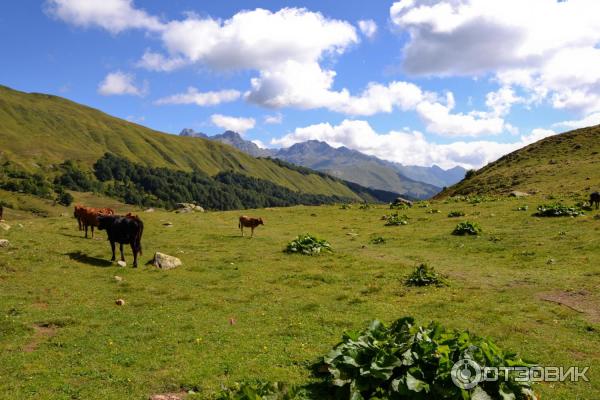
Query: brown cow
column 249, row 222
column 595, row 199
column 88, row 217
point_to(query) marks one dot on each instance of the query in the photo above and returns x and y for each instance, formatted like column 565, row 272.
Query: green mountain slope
column 568, row 163
column 42, row 130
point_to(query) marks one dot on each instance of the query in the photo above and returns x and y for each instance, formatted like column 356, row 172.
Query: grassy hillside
column 568, row 163
column 40, row 130
column 240, row 309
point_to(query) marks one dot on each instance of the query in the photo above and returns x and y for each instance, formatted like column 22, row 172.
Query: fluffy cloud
column 112, row 15
column 368, row 27
column 121, row 83
column 236, row 124
column 275, row 119
column 407, row 147
column 549, row 48
column 590, row 120
column 193, row 96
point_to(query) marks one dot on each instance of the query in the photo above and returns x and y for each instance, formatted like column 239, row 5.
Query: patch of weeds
column 364, row 206
column 396, row 219
column 378, row 240
column 308, row 245
column 399, row 206
column 345, row 207
column 522, row 208
column 467, row 228
column 371, row 289
column 433, row 211
column 456, row 214
column 423, row 275
column 261, row 390
column 558, row 210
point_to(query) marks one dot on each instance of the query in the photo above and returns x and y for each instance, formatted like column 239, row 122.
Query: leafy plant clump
column 467, row 228
column 523, row 208
column 364, row 206
column 399, row 206
column 378, row 240
column 433, row 211
column 345, row 206
column 396, row 219
column 263, row 390
column 308, row 245
column 456, row 214
column 407, row 361
column 423, row 275
column 557, row 210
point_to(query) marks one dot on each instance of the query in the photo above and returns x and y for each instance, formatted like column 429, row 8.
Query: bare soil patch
column 41, row 333
column 579, row 301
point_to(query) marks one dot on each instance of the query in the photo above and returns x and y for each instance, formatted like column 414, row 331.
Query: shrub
column 456, row 214
column 364, row 206
column 396, row 219
column 308, row 245
column 470, row 173
column 64, row 198
column 378, row 240
column 467, row 228
column 345, row 206
column 557, row 210
column 407, row 361
column 423, row 275
column 399, row 206
column 262, row 390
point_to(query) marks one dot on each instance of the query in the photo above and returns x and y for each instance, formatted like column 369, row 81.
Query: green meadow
column 241, row 309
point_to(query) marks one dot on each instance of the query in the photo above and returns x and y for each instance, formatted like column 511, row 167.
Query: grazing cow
column 249, row 222
column 126, row 229
column 88, row 217
column 595, row 199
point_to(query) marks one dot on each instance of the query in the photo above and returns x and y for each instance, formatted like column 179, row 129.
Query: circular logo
column 466, row 374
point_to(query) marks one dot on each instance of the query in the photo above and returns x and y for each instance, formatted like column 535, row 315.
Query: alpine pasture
column 241, row 309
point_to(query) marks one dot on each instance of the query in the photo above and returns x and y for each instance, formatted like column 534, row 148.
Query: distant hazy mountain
column 233, row 139
column 354, row 166
column 351, row 165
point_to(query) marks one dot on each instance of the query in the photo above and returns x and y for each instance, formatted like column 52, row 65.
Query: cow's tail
column 138, row 236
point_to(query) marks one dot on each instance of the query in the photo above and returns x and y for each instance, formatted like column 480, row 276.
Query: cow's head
column 104, row 221
column 260, row 221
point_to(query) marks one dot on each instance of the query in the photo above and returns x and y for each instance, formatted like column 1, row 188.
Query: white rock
column 165, row 261
column 118, row 278
column 122, row 263
column 4, row 243
column 4, row 226
column 149, row 210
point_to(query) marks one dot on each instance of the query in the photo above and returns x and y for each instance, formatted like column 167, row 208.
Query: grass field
column 240, row 308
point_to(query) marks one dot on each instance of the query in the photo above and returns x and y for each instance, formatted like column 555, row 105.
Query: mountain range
column 351, row 165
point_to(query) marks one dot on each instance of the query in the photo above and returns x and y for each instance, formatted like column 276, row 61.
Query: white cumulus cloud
column 236, row 124
column 368, row 27
column 112, row 15
column 121, row 83
column 194, row 96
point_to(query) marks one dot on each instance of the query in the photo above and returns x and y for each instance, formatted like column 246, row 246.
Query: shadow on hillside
column 84, row 258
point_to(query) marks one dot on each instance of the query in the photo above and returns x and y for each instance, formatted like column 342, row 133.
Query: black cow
column 126, row 229
column 1, row 212
column 595, row 199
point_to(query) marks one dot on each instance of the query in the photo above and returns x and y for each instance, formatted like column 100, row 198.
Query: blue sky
column 413, row 81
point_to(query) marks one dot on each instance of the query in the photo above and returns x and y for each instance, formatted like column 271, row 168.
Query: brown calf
column 249, row 222
column 88, row 217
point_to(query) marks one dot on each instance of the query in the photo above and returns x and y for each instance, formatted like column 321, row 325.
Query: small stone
column 4, row 226
column 165, row 261
column 149, row 210
column 120, row 302
column 4, row 243
column 118, row 278
column 168, row 224
column 121, row 263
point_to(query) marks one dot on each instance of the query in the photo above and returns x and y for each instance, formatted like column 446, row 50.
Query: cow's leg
column 135, row 250
column 112, row 246
column 92, row 231
column 242, row 229
column 252, row 234
column 86, row 229
column 121, row 248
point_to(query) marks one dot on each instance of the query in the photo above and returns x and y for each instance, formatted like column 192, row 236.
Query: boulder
column 401, row 200
column 187, row 207
column 165, row 261
column 4, row 243
column 121, row 263
column 149, row 210
column 516, row 193
column 4, row 226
